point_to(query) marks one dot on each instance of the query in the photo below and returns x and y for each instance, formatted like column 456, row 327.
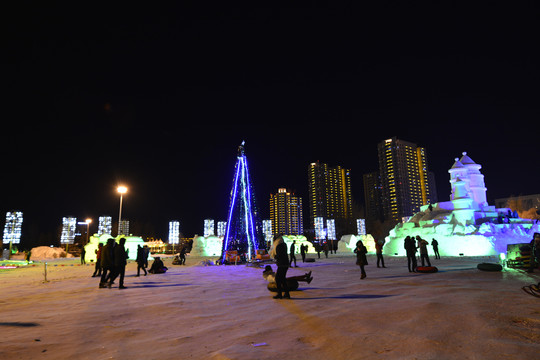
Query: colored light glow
column 267, row 230
column 122, row 189
column 331, row 229
column 320, row 233
column 68, row 230
column 105, row 225
column 241, row 230
column 174, row 232
column 221, row 228
column 13, row 227
column 361, row 226
column 209, row 227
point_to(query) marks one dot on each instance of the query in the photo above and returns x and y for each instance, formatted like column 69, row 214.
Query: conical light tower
column 242, row 233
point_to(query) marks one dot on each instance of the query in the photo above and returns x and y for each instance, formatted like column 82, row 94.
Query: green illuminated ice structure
column 467, row 224
column 131, row 245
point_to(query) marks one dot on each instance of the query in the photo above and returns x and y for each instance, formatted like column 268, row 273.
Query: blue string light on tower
column 243, row 235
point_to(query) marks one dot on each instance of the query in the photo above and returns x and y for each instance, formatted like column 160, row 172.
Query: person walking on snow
column 293, row 256
column 361, row 259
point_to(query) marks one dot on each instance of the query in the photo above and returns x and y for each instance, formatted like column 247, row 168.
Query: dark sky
column 159, row 97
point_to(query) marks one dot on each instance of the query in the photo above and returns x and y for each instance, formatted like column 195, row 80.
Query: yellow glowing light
column 122, row 189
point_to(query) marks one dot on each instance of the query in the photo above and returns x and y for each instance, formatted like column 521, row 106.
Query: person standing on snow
column 378, row 249
column 435, row 245
column 279, row 252
column 410, row 248
column 361, row 259
column 422, row 245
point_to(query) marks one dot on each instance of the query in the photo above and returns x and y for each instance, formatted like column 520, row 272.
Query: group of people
column 411, row 248
column 111, row 261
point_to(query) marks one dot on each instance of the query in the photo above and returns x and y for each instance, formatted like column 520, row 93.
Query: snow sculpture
column 465, row 225
column 207, row 246
column 131, row 245
column 300, row 240
column 347, row 243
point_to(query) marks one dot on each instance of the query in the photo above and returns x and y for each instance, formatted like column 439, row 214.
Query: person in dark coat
column 83, row 254
column 303, row 252
column 293, row 256
column 325, row 249
column 279, row 252
column 435, row 245
column 97, row 268
column 422, row 245
column 410, row 248
column 158, row 267
column 378, row 250
column 361, row 259
column 141, row 260
column 107, row 262
column 120, row 262
column 183, row 251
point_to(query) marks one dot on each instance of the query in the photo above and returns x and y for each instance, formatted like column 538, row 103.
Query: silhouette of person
column 422, row 245
column 120, row 262
column 141, row 261
column 435, row 245
column 292, row 254
column 410, row 248
column 361, row 259
column 279, row 252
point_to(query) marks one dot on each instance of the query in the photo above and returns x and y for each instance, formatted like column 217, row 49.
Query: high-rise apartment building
column 330, row 195
column 373, row 196
column 405, row 180
column 286, row 213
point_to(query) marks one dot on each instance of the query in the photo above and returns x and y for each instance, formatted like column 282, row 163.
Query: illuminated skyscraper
column 330, row 196
column 405, row 180
column 286, row 213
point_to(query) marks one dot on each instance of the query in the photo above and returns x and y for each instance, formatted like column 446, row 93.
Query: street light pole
column 122, row 190
column 88, row 221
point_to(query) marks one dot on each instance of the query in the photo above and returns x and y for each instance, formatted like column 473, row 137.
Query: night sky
column 159, row 97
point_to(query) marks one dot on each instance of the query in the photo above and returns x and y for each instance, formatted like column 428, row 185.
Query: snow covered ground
column 226, row 312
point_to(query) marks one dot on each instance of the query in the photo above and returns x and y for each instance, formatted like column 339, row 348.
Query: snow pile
column 47, row 252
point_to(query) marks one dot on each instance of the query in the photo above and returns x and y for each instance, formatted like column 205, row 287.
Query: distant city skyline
column 159, row 100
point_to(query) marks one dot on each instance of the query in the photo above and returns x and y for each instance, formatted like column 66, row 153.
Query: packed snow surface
column 226, row 312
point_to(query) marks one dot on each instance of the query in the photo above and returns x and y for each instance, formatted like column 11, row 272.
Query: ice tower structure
column 243, row 233
column 466, row 224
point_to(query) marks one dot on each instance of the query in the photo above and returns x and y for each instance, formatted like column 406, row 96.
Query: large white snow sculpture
column 467, row 224
column 207, row 246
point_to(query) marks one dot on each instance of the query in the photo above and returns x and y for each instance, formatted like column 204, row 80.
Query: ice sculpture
column 467, row 224
column 131, row 245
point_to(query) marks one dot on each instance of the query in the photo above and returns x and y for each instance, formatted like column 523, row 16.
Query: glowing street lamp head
column 122, row 189
column 88, row 221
